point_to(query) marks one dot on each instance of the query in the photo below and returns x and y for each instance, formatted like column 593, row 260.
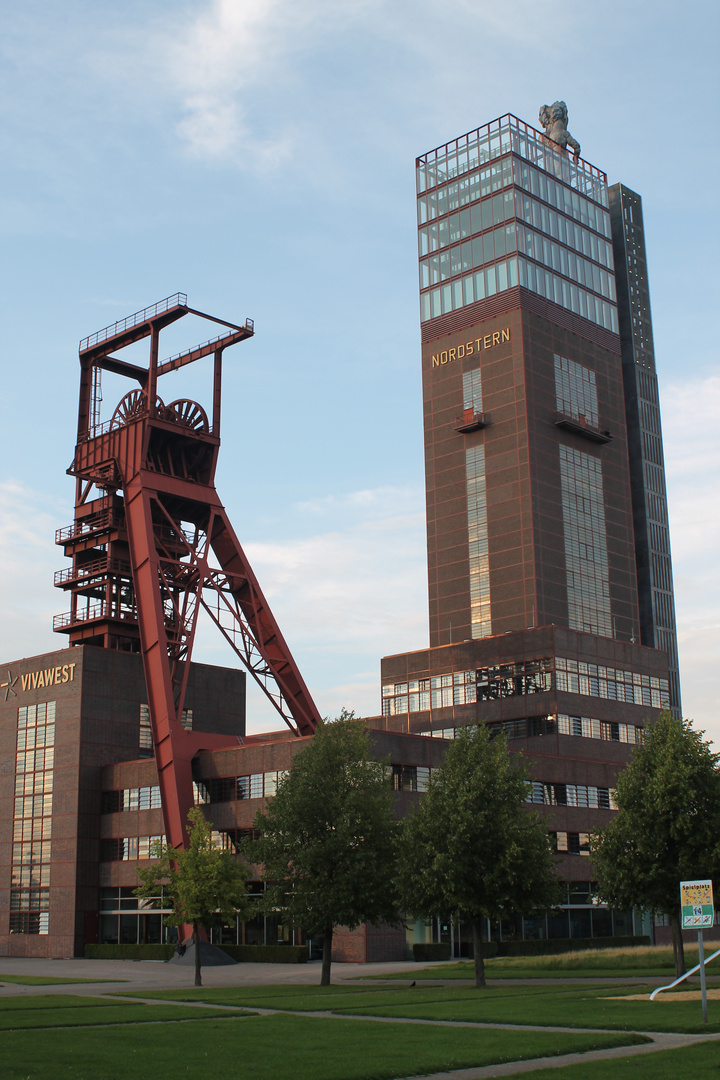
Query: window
column 146, row 741
column 576, row 391
column 481, row 624
column 472, row 391
column 32, row 819
column 127, row 848
column 595, row 680
column 586, row 557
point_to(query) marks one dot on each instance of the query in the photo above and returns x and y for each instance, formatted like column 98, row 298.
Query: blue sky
column 259, row 156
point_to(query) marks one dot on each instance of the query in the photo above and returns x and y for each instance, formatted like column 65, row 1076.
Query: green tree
column 667, row 826
column 473, row 848
column 327, row 844
column 204, row 884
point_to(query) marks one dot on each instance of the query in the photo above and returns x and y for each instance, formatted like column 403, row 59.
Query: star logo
column 9, row 684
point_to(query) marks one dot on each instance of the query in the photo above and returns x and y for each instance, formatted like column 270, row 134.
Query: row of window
column 231, row 788
column 139, row 798
column 131, row 848
column 463, row 291
column 568, row 295
column 473, row 186
column 517, row 270
column 532, row 726
column 467, row 687
column 566, row 262
column 522, row 678
column 468, row 255
column 36, row 761
column 482, row 216
column 506, row 239
column 409, row 777
column 126, row 848
column 596, row 680
column 571, row 843
column 560, row 197
column 586, row 727
column 587, row 795
column 473, row 219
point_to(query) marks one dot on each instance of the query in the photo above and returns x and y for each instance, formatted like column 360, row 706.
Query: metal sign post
column 698, row 911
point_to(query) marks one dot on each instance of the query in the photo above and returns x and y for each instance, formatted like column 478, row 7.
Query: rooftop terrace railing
column 509, row 134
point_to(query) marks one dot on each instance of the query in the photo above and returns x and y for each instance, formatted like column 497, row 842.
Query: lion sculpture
column 554, row 119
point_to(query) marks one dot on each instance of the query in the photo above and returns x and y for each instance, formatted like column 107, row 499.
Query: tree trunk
column 678, row 947
column 196, row 943
column 478, row 954
column 327, row 957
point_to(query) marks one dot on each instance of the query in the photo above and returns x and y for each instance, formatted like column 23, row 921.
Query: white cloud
column 232, row 56
column 28, row 520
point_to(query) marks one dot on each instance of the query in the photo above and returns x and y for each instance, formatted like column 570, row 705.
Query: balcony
column 87, row 526
column 87, row 572
column 100, row 610
column 469, row 420
column 580, row 426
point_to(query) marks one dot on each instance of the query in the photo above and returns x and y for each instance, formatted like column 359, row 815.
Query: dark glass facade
column 642, row 410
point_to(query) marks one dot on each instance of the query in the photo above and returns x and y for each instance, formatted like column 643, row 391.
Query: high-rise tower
column 528, row 490
column 550, row 588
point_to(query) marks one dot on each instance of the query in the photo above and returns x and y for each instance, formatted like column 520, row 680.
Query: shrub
column 432, row 950
column 129, row 952
column 548, row 947
column 268, row 954
column 489, row 949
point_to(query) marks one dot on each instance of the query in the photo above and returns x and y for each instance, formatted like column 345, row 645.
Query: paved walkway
column 146, row 976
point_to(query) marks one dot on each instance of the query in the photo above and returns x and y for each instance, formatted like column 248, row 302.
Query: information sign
column 696, row 902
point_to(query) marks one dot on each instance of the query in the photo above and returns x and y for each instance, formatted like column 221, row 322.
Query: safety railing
column 90, row 570
column 140, row 317
column 99, row 610
column 86, row 526
column 249, row 325
column 682, row 978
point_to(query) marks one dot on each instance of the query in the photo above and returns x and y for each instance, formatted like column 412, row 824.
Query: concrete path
column 146, row 976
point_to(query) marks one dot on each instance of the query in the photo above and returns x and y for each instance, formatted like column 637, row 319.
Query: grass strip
column 51, row 1001
column 699, row 1061
column 278, row 1048
column 333, row 998
column 572, row 1006
column 639, row 962
column 577, row 1008
column 50, row 980
column 99, row 1014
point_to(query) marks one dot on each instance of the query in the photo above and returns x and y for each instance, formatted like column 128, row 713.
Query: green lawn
column 576, row 1006
column 55, row 1011
column 49, row 980
column 279, row 1047
column 640, row 962
column 700, row 1061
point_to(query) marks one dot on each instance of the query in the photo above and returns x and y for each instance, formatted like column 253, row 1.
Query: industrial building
column 550, row 582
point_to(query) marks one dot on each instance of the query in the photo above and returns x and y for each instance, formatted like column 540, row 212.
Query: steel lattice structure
column 155, row 545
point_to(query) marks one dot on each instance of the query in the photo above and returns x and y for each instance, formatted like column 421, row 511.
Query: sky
column 259, row 156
